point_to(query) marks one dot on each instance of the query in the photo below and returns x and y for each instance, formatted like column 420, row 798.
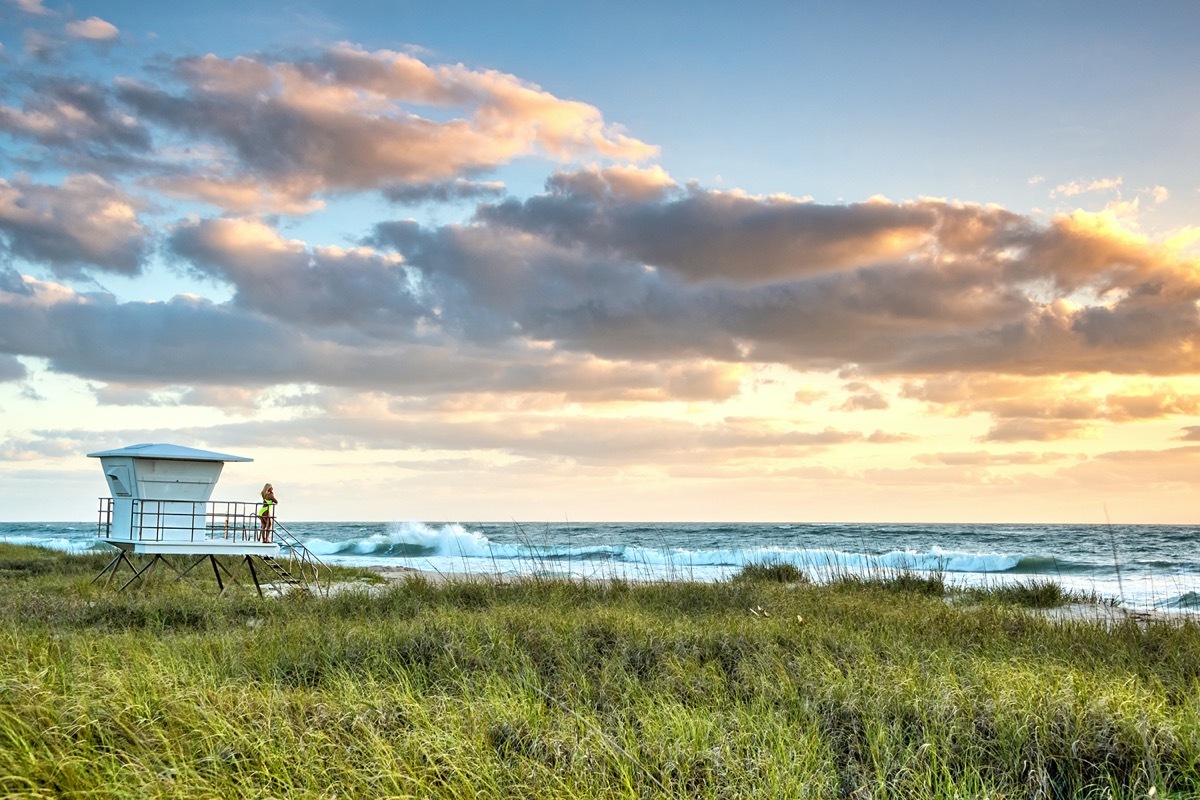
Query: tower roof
column 173, row 452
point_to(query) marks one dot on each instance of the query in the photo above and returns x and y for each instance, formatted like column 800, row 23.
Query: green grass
column 1035, row 593
column 778, row 571
column 751, row 688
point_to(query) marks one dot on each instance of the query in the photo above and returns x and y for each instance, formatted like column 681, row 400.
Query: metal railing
column 212, row 522
column 182, row 521
column 302, row 562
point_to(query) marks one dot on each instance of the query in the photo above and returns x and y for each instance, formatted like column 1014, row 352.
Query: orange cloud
column 1036, row 430
column 1049, row 407
column 351, row 120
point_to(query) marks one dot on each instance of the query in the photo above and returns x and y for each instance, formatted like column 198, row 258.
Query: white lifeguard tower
column 161, row 506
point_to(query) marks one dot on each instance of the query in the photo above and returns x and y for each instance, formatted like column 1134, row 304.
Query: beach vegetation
column 894, row 581
column 777, row 571
column 1034, row 593
column 554, row 688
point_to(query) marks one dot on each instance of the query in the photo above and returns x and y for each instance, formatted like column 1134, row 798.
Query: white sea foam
column 1158, row 564
column 54, row 543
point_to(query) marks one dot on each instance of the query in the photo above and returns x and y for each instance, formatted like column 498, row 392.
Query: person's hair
column 266, row 489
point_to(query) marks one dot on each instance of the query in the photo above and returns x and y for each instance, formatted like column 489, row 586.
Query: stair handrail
column 307, row 560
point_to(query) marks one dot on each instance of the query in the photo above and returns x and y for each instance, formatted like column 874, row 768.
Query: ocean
column 1140, row 566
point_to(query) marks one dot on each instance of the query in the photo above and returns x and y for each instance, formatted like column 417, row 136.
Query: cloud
column 808, row 396
column 11, row 369
column 93, row 29
column 238, row 399
column 528, row 291
column 1190, row 434
column 84, row 224
column 58, row 112
column 117, row 394
column 1052, row 406
column 575, row 439
column 189, row 341
column 241, row 195
column 710, row 234
column 40, row 445
column 1075, row 188
column 442, row 192
column 863, row 397
column 1172, row 469
column 908, row 288
column 350, row 120
column 1036, row 430
column 318, row 287
column 41, row 46
column 615, row 283
column 34, row 7
column 984, row 458
column 1169, row 402
column 883, row 437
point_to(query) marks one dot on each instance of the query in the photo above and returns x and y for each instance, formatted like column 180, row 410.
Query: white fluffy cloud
column 93, row 29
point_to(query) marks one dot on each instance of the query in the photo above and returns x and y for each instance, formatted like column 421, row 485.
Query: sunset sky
column 545, row 262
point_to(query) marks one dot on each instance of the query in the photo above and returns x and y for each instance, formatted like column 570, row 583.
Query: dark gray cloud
column 188, row 341
column 62, row 113
column 81, row 225
column 456, row 190
column 11, row 369
column 309, row 288
column 704, row 234
column 506, row 305
column 573, row 269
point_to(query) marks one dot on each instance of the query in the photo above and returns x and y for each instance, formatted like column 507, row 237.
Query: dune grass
column 540, row 688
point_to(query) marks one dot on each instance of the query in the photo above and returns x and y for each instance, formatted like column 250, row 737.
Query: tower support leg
column 253, row 574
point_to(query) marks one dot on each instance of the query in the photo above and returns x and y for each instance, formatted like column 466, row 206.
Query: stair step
column 281, row 571
column 298, row 552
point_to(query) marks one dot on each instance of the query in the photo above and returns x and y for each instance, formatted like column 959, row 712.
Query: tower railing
column 242, row 526
column 182, row 521
column 301, row 561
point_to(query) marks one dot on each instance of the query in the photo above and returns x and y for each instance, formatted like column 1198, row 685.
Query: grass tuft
column 1034, row 593
column 898, row 581
column 776, row 571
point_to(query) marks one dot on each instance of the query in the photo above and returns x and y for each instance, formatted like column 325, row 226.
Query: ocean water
column 1141, row 566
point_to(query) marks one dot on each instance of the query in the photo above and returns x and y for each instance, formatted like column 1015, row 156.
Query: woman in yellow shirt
column 266, row 516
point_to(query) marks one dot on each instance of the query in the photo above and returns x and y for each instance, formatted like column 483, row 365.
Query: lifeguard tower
column 161, row 506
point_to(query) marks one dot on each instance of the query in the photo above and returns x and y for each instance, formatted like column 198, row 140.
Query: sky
column 554, row 262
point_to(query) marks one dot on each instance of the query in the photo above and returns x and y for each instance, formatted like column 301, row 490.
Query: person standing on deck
column 266, row 516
